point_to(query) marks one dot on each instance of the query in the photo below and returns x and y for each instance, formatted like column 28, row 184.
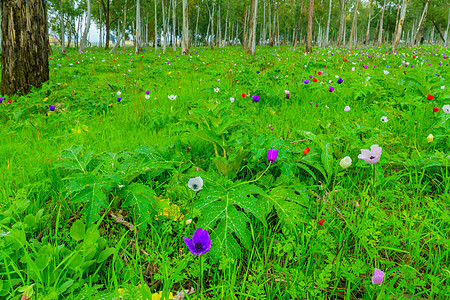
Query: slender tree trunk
column 164, row 27
column 298, row 25
column 196, row 25
column 107, row 23
column 252, row 31
column 226, row 27
column 25, row 46
column 328, row 26
column 419, row 33
column 156, row 28
column 446, row 31
column 174, row 38
column 243, row 26
column 309, row 32
column 366, row 39
column 380, row 32
column 138, row 41
column 278, row 26
column 62, row 27
column 438, row 30
column 86, row 29
column 400, row 25
column 355, row 14
column 396, row 20
column 270, row 28
column 185, row 43
column 341, row 23
column 219, row 28
column 212, row 27
column 263, row 37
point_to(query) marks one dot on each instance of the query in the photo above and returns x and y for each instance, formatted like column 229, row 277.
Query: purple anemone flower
column 331, row 89
column 118, row 99
column 272, row 155
column 147, row 92
column 371, row 156
column 306, row 81
column 1, row 99
column 340, row 80
column 200, row 243
column 255, row 98
column 378, row 276
column 52, row 108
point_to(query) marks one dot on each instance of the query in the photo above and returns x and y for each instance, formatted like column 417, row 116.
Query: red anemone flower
column 321, row 222
column 314, row 79
column 306, row 150
column 430, row 97
column 436, row 109
column 243, row 95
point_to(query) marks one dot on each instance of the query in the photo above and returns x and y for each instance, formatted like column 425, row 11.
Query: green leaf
column 65, row 286
column 140, row 198
column 72, row 159
column 77, row 231
column 327, row 159
column 105, row 254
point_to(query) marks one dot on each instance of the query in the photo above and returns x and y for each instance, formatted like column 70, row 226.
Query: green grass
column 59, row 250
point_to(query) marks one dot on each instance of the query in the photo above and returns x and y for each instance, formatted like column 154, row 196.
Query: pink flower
column 372, row 156
column 378, row 276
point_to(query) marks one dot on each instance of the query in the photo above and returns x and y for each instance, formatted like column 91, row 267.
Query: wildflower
column 286, row 92
column 200, row 243
column 385, row 72
column 346, row 162
column 365, row 67
column 172, row 97
column 272, row 155
column 1, row 99
column 119, row 93
column 232, row 100
column 372, row 156
column 345, row 60
column 306, row 81
column 378, row 276
column 446, row 108
column 331, row 89
column 147, row 92
column 243, row 95
column 353, row 69
column 118, row 99
column 195, row 184
column 384, row 119
column 347, row 108
column 52, row 108
column 306, row 150
column 147, row 97
column 435, row 109
column 216, row 90
column 430, row 138
column 430, row 97
column 340, row 80
column 314, row 79
column 255, row 98
column 321, row 222
column 319, row 73
column 443, row 87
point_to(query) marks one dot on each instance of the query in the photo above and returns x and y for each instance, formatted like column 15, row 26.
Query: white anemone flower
column 446, row 108
column 385, row 72
column 147, row 97
column 216, row 90
column 195, row 184
column 119, row 93
column 384, row 119
column 371, row 156
column 347, row 108
column 232, row 100
column 346, row 162
column 173, row 97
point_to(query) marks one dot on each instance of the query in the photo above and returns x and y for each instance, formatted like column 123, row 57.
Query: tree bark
column 400, row 25
column 164, row 28
column 439, row 30
column 252, row 31
column 446, row 31
column 328, row 26
column 196, row 25
column 174, row 37
column 185, row 42
column 355, row 15
column 380, row 32
column 25, row 46
column 341, row 23
column 243, row 26
column 86, row 29
column 310, row 25
column 298, row 25
column 138, row 47
column 156, row 28
column 419, row 33
column 62, row 27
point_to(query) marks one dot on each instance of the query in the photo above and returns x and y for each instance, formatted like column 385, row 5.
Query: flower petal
column 189, row 244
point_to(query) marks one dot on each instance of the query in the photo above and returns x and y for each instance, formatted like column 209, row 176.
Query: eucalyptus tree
column 86, row 29
column 398, row 31
column 310, row 25
column 25, row 46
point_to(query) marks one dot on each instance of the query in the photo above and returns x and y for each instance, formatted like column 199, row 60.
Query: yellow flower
column 430, row 138
column 45, row 99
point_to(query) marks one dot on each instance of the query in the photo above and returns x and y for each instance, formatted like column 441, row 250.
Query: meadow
column 110, row 164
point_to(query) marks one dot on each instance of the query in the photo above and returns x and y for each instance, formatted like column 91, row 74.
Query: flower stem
column 257, row 178
column 373, row 179
column 201, row 273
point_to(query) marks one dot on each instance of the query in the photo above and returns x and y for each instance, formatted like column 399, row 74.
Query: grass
column 396, row 221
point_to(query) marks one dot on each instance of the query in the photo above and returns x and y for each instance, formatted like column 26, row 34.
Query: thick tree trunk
column 107, row 23
column 298, row 25
column 62, row 26
column 446, row 31
column 355, row 14
column 86, row 29
column 263, row 37
column 185, row 42
column 419, row 33
column 380, row 32
column 252, row 31
column 400, row 25
column 396, row 19
column 341, row 23
column 25, row 46
column 310, row 25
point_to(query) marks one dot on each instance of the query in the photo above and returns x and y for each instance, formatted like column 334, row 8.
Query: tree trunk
column 252, row 31
column 174, row 39
column 310, row 25
column 164, row 28
column 25, row 46
column 328, row 26
column 438, row 29
column 446, row 31
column 396, row 19
column 352, row 30
column 226, row 28
column 278, row 26
column 400, row 25
column 185, row 42
column 62, row 27
column 243, row 26
column 298, row 25
column 380, row 32
column 263, row 37
column 366, row 39
column 212, row 26
column 86, row 29
column 196, row 25
column 107, row 23
column 138, row 47
column 156, row 28
column 270, row 28
column 341, row 23
column 419, row 33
